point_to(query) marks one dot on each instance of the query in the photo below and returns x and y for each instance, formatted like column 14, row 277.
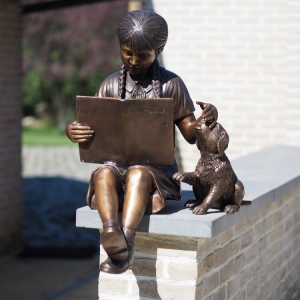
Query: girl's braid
column 156, row 84
column 122, row 82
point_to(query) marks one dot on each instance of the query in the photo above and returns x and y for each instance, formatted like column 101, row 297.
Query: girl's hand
column 209, row 113
column 78, row 133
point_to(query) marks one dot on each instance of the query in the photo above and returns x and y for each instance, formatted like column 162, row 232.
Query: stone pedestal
column 164, row 266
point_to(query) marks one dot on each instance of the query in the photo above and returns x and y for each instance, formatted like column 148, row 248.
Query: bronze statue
column 142, row 35
column 215, row 184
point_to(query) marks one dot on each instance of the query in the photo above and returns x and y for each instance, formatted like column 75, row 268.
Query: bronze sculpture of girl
column 142, row 36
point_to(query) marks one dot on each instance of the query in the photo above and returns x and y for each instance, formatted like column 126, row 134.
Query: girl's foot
column 113, row 240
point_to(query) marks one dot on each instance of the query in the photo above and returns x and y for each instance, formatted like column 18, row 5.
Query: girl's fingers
column 208, row 115
column 210, row 118
column 202, row 104
column 78, row 132
column 82, row 136
column 81, row 127
column 81, row 140
column 212, row 125
column 207, row 109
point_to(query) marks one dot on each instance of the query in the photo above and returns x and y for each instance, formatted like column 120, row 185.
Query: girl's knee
column 104, row 174
column 136, row 175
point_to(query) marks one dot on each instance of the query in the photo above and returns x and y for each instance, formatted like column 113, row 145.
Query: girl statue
column 142, row 35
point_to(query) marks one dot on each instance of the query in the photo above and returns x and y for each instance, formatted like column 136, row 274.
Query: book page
column 149, row 136
column 104, row 116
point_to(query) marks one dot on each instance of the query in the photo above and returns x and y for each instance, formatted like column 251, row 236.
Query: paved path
column 55, row 184
column 55, row 161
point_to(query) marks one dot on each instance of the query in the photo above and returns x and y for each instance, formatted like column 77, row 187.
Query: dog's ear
column 223, row 143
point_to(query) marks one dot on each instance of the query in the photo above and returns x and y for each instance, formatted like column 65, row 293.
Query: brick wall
column 242, row 56
column 10, row 111
column 258, row 258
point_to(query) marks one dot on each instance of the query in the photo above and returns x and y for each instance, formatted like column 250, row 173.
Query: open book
column 127, row 132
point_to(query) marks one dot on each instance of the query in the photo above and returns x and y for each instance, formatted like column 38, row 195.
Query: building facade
column 243, row 57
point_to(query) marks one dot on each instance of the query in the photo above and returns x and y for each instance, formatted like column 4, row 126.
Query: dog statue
column 215, row 184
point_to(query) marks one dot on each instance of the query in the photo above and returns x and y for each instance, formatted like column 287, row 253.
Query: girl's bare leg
column 106, row 195
column 106, row 198
column 139, row 184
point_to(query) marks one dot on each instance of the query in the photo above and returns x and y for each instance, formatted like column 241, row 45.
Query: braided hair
column 122, row 82
column 156, row 84
column 143, row 30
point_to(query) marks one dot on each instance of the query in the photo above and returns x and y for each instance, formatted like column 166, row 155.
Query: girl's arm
column 188, row 123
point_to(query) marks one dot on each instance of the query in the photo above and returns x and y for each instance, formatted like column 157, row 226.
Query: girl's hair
column 143, row 30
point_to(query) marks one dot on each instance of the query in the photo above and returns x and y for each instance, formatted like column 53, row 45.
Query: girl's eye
column 144, row 56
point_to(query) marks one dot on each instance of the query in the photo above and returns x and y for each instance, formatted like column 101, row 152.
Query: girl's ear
column 158, row 51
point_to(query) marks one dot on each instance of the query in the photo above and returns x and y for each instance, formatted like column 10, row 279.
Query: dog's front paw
column 231, row 209
column 179, row 176
column 191, row 203
column 200, row 210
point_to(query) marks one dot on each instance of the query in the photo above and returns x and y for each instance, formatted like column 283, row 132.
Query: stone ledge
column 267, row 175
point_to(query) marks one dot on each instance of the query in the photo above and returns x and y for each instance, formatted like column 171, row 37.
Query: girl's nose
column 134, row 60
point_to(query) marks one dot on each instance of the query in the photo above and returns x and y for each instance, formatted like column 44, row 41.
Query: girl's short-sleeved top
column 172, row 87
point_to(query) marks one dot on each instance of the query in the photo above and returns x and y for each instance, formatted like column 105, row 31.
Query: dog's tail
column 244, row 203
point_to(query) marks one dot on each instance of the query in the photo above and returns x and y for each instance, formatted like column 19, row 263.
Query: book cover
column 127, row 131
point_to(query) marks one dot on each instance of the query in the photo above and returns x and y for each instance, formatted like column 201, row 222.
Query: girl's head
column 142, row 35
column 143, row 30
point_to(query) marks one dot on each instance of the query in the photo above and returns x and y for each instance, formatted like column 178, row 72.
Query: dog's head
column 211, row 140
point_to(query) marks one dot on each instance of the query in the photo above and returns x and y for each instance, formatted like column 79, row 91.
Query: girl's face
column 137, row 61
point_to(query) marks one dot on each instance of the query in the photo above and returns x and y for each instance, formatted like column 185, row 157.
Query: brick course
column 10, row 109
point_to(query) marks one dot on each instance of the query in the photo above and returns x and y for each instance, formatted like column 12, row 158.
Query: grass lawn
column 44, row 136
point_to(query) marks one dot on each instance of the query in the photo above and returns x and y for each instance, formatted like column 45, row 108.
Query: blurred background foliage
column 68, row 52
